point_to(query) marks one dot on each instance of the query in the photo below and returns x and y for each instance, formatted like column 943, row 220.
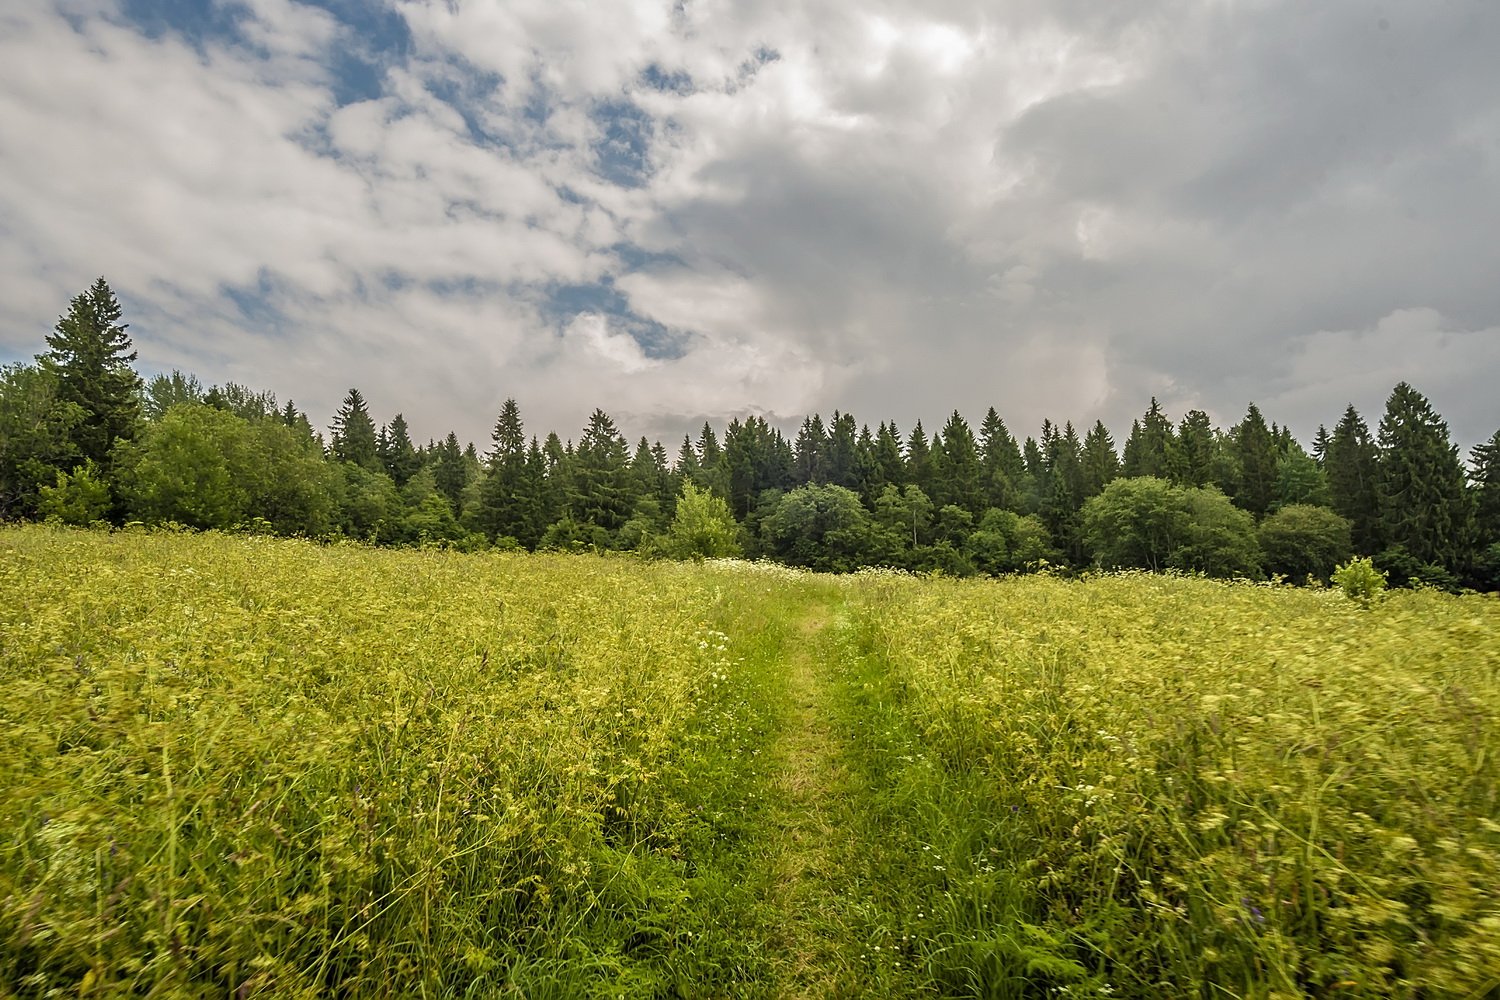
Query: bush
column 702, row 527
column 1301, row 541
column 1359, row 580
column 80, row 498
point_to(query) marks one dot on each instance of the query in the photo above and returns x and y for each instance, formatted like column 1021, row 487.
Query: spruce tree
column 1065, row 489
column 919, row 460
column 354, row 433
column 687, row 461
column 1148, row 452
column 713, row 475
column 1255, row 448
column 812, row 441
column 1033, row 477
column 89, row 356
column 398, row 455
column 601, row 493
column 841, row 465
column 1423, row 506
column 867, row 467
column 1003, row 466
column 1352, row 464
column 451, row 470
column 1099, row 464
column 888, row 457
column 507, row 507
column 963, row 484
column 1193, row 458
column 1485, row 459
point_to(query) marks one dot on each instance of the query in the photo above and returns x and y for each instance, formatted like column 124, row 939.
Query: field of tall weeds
column 236, row 766
column 1152, row 786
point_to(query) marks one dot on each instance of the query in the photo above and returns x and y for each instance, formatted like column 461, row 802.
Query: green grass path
column 806, row 790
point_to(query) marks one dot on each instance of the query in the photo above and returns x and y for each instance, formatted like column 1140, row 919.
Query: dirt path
column 808, row 792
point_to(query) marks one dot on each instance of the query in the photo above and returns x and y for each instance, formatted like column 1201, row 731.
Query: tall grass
column 247, row 767
column 1145, row 786
column 250, row 767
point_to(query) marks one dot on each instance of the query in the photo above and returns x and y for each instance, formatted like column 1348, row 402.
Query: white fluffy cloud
column 890, row 208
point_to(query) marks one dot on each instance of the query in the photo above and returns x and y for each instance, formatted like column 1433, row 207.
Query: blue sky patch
column 565, row 302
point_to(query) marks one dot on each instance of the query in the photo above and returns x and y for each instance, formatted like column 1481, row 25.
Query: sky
column 696, row 210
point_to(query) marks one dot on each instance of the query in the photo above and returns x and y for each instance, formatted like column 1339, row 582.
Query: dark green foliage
column 1007, row 542
column 600, row 492
column 89, row 354
column 1299, row 479
column 819, row 527
column 1148, row 523
column 354, row 433
column 1485, row 478
column 890, row 463
column 867, row 468
column 841, row 455
column 687, row 460
column 812, row 443
column 1003, row 467
column 1301, row 541
column 919, row 460
column 1257, row 457
column 958, row 477
column 1065, row 492
column 1137, row 522
column 1148, row 450
column 1423, row 507
column 1351, row 461
column 756, row 458
column 452, row 470
column 509, row 504
column 397, row 453
column 1219, row 539
column 36, row 436
column 712, row 471
column 1034, row 477
column 1193, row 459
column 1100, row 464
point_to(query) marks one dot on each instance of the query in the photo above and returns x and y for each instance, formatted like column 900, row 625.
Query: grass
column 245, row 767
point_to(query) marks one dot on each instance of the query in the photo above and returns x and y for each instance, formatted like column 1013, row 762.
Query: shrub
column 79, row 498
column 1359, row 580
column 1301, row 541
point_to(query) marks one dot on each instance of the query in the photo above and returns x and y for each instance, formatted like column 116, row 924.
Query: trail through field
column 808, row 795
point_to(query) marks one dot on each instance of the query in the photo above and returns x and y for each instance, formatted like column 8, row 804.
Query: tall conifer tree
column 354, row 433
column 1099, row 464
column 89, row 356
column 1352, row 464
column 1423, row 506
column 1255, row 447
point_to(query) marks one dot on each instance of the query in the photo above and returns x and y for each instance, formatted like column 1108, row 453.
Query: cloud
column 687, row 211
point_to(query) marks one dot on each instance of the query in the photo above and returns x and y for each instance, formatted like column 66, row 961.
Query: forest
column 84, row 440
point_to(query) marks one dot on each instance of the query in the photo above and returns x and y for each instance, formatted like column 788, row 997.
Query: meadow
column 238, row 766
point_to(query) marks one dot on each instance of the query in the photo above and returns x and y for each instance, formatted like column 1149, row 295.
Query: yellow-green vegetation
column 1150, row 786
column 238, row 766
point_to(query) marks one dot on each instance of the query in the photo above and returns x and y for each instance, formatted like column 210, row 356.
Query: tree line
column 84, row 439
